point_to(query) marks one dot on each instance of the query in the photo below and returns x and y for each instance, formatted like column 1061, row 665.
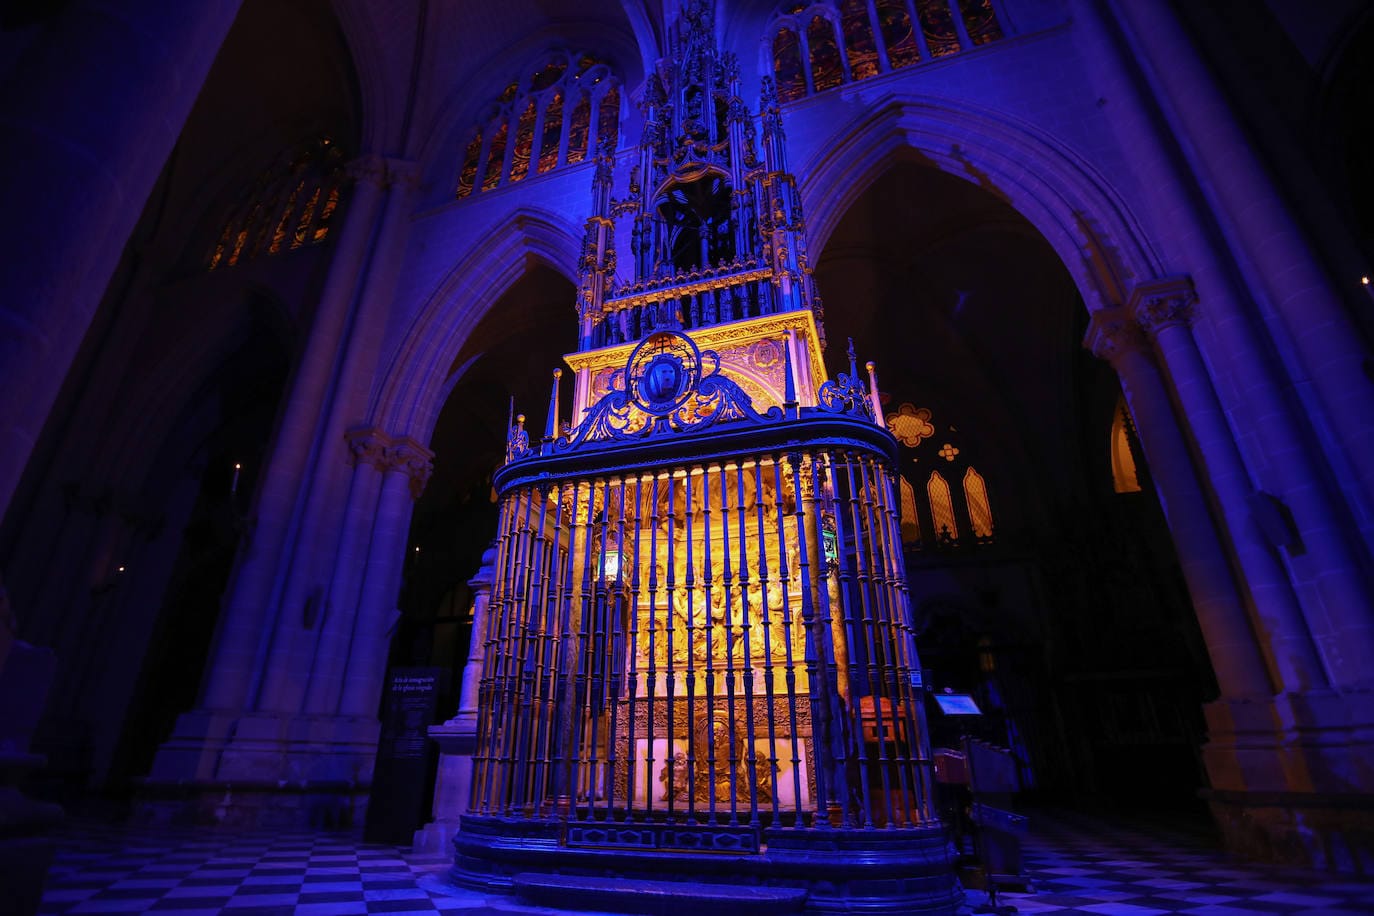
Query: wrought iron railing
column 724, row 643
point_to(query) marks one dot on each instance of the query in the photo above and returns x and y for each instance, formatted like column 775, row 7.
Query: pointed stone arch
column 414, row 385
column 1084, row 219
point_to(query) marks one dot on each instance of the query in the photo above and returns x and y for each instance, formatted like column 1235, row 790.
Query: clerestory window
column 293, row 203
column 555, row 114
column 819, row 45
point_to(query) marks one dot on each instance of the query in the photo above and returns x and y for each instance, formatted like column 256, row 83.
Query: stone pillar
column 261, row 766
column 1246, row 399
column 1242, row 731
column 1312, row 318
column 272, row 720
column 405, row 471
column 1166, row 310
column 1295, row 510
column 457, row 738
column 77, row 177
column 1236, row 659
column 335, row 502
column 1277, row 764
column 245, row 626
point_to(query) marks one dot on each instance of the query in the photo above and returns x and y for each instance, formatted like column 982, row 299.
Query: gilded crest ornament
column 662, row 372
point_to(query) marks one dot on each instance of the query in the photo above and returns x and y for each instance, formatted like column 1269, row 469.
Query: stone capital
column 412, row 459
column 1112, row 333
column 1162, row 303
column 371, row 446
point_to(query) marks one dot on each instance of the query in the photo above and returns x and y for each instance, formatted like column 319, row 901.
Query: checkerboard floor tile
column 1078, row 863
column 1074, row 863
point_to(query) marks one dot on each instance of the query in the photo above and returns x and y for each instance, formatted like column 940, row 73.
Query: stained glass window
column 552, row 133
column 547, row 75
column 524, row 144
column 608, row 118
column 303, row 226
column 220, row 246
column 467, row 178
column 579, row 128
column 282, row 209
column 787, row 66
column 911, row 524
column 874, row 35
column 898, row 38
column 242, row 238
column 980, row 21
column 858, row 39
column 326, row 219
column 979, row 509
column 937, row 22
column 825, row 54
column 530, row 120
column 941, row 507
column 262, row 229
column 496, row 158
column 1125, row 478
column 284, row 224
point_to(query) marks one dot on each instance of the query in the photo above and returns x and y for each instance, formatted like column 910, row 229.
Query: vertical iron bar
column 826, row 651
column 511, row 661
column 614, row 652
column 766, row 600
column 820, row 707
column 888, row 664
column 747, row 581
column 632, row 680
column 905, row 639
column 523, row 648
column 847, row 532
column 653, row 651
column 728, row 581
column 599, row 654
column 548, row 616
column 690, row 675
column 708, row 624
column 579, row 707
column 489, row 687
column 790, row 665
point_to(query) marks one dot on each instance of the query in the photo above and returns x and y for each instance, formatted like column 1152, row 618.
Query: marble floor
column 1075, row 864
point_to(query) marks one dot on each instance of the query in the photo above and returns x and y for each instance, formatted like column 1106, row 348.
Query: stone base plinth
column 457, row 739
column 262, row 770
column 811, row 870
column 250, row 806
column 1333, row 832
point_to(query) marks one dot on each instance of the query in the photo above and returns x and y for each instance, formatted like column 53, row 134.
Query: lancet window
column 944, row 499
column 1125, row 479
column 819, row 45
column 553, row 115
column 292, row 204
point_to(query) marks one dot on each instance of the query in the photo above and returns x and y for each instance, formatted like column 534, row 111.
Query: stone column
column 1240, row 749
column 407, row 466
column 1240, row 669
column 457, row 738
column 245, row 626
column 90, row 112
column 368, row 448
column 336, row 503
column 1166, row 310
column 1287, row 472
column 1270, row 245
